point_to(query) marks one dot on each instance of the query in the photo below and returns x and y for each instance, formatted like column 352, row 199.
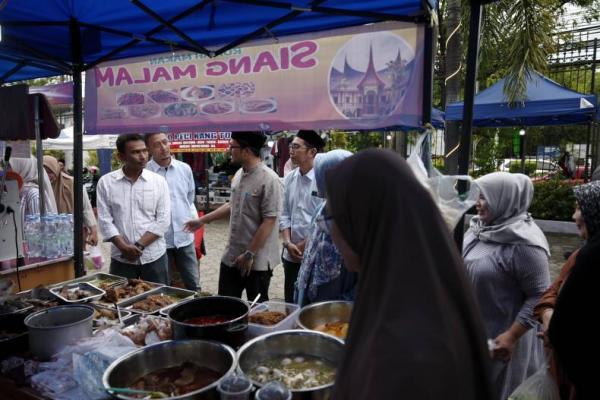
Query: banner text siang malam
column 298, row 55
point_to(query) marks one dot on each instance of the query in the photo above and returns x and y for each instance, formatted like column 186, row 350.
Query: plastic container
column 235, row 387
column 287, row 323
column 273, row 391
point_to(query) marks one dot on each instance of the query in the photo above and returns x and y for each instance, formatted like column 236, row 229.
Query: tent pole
column 587, row 173
column 428, row 73
column 77, row 148
column 467, row 121
column 39, row 154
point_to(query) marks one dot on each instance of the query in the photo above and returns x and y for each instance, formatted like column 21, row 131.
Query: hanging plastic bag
column 94, row 259
column 539, row 386
column 443, row 188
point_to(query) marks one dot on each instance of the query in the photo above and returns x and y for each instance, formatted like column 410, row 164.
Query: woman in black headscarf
column 415, row 331
column 570, row 331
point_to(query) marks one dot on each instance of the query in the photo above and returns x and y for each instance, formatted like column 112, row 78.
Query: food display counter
column 41, row 273
column 173, row 330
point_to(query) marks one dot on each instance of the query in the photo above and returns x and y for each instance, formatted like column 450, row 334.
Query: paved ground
column 216, row 238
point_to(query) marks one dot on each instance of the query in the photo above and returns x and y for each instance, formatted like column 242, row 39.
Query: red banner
column 199, row 142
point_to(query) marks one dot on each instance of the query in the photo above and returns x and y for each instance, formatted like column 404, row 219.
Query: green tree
column 364, row 140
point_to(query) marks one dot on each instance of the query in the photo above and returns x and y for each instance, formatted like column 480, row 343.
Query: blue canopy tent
column 546, row 103
column 57, row 37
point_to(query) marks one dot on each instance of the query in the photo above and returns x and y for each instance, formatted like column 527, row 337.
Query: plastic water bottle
column 49, row 240
column 31, row 233
column 67, row 229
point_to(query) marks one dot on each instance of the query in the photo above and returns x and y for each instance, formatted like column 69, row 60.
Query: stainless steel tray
column 178, row 293
column 154, row 286
column 95, row 279
column 96, row 323
column 96, row 293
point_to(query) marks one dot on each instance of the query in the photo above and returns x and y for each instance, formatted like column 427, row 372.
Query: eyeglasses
column 296, row 146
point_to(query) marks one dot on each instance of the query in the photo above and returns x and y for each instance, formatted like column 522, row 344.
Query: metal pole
column 428, row 73
column 39, row 154
column 467, row 122
column 522, row 151
column 587, row 172
column 77, row 147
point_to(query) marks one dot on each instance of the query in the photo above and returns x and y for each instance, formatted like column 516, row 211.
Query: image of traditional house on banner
column 374, row 90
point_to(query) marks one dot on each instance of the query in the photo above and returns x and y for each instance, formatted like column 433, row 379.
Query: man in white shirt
column 180, row 244
column 133, row 214
column 299, row 205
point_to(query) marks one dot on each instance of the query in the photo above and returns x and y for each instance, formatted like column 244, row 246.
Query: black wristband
column 139, row 246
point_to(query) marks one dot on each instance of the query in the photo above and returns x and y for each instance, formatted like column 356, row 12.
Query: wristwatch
column 139, row 246
column 285, row 245
column 248, row 255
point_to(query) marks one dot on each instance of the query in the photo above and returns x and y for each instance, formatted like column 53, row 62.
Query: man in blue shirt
column 182, row 190
column 299, row 205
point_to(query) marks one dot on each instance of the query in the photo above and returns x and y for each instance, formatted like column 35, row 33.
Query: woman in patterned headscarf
column 322, row 275
column 573, row 340
column 506, row 255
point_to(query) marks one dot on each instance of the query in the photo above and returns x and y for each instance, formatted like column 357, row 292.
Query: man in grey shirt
column 182, row 190
column 253, row 211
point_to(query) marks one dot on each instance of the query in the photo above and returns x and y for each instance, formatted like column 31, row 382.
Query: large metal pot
column 232, row 332
column 53, row 329
column 316, row 314
column 127, row 369
column 293, row 343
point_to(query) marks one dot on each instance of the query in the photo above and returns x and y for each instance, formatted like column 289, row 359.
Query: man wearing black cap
column 253, row 210
column 299, row 205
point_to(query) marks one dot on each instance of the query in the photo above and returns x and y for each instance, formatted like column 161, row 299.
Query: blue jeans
column 186, row 263
column 156, row 271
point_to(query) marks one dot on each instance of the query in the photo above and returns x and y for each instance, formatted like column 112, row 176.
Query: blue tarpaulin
column 36, row 36
column 546, row 103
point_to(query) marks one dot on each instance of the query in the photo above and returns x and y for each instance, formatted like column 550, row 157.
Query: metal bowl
column 292, row 343
column 132, row 366
column 317, row 314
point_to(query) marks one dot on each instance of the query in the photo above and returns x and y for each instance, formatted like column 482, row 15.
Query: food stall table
column 41, row 273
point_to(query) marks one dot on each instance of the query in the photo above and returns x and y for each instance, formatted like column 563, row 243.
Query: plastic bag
column 539, row 386
column 94, row 260
column 76, row 372
column 443, row 188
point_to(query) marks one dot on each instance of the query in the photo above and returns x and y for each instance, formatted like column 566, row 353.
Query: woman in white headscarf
column 506, row 255
column 30, row 193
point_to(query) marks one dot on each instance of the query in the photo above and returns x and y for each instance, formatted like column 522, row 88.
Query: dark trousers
column 156, row 271
column 290, row 270
column 232, row 283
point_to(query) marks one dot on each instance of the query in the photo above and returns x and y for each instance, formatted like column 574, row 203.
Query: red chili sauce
column 208, row 320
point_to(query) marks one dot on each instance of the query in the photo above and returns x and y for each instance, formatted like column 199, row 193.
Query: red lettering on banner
column 123, row 75
column 107, row 76
column 302, row 50
column 284, row 58
column 265, row 59
column 189, row 70
column 161, row 72
column 244, row 62
column 216, row 68
column 146, row 78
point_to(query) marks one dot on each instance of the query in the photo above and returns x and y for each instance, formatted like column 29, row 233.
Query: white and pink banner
column 60, row 93
column 355, row 78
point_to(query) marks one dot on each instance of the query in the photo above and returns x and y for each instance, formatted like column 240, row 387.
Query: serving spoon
column 150, row 394
column 254, row 301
